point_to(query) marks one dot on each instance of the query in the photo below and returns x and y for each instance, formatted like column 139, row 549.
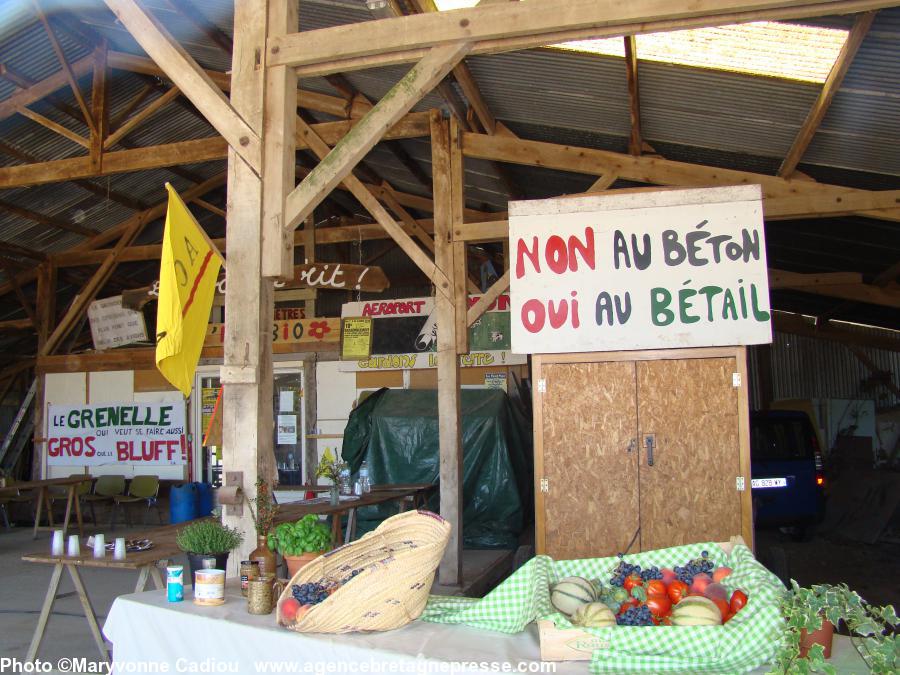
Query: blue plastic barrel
column 204, row 499
column 182, row 503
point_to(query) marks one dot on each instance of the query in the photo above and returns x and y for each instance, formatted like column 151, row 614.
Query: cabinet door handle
column 649, row 443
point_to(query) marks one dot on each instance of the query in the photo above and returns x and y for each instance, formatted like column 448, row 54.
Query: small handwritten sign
column 117, row 433
column 341, row 277
column 641, row 270
column 113, row 325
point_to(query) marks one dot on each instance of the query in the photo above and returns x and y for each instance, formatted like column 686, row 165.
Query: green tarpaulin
column 396, row 431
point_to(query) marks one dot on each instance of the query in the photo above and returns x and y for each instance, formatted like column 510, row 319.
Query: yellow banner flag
column 187, row 280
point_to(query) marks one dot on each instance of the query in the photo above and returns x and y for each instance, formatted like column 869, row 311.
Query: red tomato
column 676, row 591
column 726, row 619
column 724, row 609
column 631, row 581
column 656, row 587
column 659, row 604
column 738, row 600
column 630, row 602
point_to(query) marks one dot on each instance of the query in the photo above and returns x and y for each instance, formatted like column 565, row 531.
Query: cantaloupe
column 594, row 615
column 570, row 593
column 696, row 610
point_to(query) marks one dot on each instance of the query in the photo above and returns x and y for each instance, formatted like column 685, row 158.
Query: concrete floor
column 24, row 586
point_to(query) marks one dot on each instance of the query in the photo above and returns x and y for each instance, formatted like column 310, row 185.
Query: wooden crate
column 576, row 644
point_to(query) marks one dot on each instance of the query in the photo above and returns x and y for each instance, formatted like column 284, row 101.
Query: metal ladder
column 17, row 424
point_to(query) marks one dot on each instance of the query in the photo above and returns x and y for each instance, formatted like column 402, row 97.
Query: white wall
column 335, row 395
column 115, row 386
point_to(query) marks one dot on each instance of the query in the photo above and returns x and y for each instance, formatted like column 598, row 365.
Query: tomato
column 727, row 618
column 738, row 600
column 656, row 587
column 724, row 609
column 659, row 604
column 631, row 581
column 630, row 602
column 676, row 591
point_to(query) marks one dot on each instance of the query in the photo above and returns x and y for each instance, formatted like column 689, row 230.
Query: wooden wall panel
column 589, row 421
column 151, row 380
column 689, row 493
column 379, row 378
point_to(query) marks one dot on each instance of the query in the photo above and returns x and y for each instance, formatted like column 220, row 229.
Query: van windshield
column 775, row 439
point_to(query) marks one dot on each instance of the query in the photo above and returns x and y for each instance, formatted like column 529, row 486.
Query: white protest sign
column 113, row 325
column 117, row 433
column 642, row 270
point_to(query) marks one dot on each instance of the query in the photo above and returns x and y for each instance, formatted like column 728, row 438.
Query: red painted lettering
column 533, row 315
column 556, row 253
column 522, row 251
column 123, row 450
column 89, row 441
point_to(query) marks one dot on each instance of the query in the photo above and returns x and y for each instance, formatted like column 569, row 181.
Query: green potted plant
column 811, row 615
column 208, row 539
column 300, row 542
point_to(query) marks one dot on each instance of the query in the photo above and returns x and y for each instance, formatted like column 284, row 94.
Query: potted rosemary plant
column 208, row 538
column 811, row 615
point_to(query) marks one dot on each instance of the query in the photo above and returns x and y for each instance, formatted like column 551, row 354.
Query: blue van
column 788, row 479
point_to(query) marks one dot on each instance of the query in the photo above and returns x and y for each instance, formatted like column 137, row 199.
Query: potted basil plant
column 811, row 615
column 208, row 539
column 300, row 542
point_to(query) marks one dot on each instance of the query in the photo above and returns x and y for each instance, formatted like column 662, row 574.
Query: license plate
column 768, row 482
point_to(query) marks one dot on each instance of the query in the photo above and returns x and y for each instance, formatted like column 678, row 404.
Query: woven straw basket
column 398, row 561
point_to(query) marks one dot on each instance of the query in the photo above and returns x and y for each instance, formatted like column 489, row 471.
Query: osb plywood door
column 689, row 494
column 589, row 422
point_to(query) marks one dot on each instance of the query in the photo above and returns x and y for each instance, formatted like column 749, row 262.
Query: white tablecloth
column 150, row 634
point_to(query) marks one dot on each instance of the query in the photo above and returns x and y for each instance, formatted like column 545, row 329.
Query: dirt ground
column 873, row 571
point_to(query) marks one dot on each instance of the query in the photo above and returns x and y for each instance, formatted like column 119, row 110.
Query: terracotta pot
column 296, row 562
column 823, row 637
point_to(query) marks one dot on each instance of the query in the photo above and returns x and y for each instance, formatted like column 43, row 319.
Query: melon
column 594, row 615
column 570, row 593
column 696, row 610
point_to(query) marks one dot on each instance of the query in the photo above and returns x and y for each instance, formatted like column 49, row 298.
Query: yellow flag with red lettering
column 188, row 272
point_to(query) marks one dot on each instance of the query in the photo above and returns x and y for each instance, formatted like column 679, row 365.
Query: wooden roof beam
column 140, row 117
column 783, row 198
column 635, row 140
column 197, row 86
column 67, row 69
column 45, row 220
column 506, row 27
column 832, row 83
column 369, row 131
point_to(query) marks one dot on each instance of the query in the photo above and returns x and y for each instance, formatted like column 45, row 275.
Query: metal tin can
column 175, row 583
column 209, row 587
column 249, row 571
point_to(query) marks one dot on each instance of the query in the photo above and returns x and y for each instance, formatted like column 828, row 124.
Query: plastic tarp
column 396, row 432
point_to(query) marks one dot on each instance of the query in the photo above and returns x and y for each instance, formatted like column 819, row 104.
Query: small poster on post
column 287, row 430
column 356, row 337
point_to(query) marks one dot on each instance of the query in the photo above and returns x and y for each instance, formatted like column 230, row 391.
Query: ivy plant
column 307, row 535
column 872, row 629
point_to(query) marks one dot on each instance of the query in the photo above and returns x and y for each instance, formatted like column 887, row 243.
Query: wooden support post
column 309, row 256
column 279, row 148
column 310, row 405
column 45, row 306
column 99, row 108
column 634, row 97
column 460, row 271
column 451, row 473
column 247, row 414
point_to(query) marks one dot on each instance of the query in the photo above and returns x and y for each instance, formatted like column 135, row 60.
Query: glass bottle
column 364, row 477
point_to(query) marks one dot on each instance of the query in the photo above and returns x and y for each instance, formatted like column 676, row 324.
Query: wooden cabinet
column 640, row 450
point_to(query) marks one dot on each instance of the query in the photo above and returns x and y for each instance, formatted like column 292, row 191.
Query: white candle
column 56, row 544
column 74, row 549
column 119, row 553
column 99, row 546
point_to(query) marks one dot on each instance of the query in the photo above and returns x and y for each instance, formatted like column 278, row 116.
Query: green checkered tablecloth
column 746, row 642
